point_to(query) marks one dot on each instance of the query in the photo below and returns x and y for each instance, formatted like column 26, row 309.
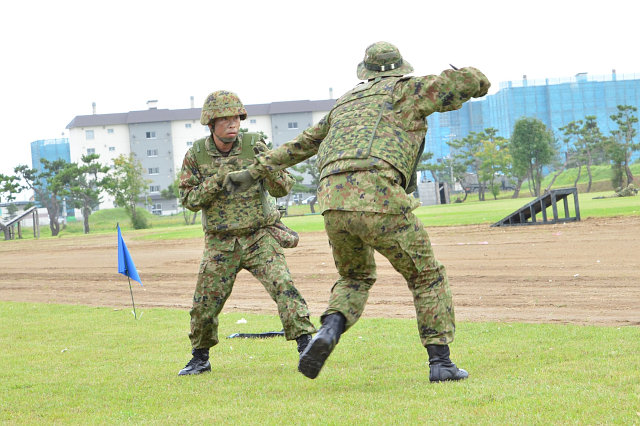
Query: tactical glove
column 239, row 181
column 484, row 83
column 213, row 183
column 484, row 87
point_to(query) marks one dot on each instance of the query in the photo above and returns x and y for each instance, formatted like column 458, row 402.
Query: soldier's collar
column 213, row 150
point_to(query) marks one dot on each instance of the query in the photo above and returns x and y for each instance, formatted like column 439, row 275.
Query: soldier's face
column 226, row 128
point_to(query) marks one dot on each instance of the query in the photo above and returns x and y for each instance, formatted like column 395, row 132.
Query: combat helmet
column 222, row 103
column 382, row 59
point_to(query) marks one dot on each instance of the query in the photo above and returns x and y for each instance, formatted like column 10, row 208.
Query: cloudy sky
column 57, row 57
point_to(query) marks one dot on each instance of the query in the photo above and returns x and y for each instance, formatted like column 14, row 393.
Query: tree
column 128, row 186
column 83, row 184
column 573, row 153
column 425, row 164
column 531, row 147
column 9, row 187
column 47, row 186
column 466, row 153
column 588, row 144
column 307, row 167
column 173, row 191
column 617, row 156
column 519, row 173
column 494, row 159
column 562, row 162
column 624, row 138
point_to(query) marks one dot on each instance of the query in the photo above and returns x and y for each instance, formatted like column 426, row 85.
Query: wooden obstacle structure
column 10, row 226
column 527, row 214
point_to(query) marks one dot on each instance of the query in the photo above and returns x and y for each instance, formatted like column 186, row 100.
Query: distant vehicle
column 283, row 202
column 308, row 200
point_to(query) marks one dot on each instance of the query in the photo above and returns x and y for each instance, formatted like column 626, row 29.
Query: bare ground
column 582, row 273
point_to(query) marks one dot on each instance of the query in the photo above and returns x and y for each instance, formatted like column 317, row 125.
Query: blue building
column 555, row 102
column 51, row 150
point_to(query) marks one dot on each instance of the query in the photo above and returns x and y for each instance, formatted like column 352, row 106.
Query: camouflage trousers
column 264, row 260
column 403, row 240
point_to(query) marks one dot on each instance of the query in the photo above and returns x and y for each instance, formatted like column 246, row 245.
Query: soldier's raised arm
column 277, row 183
column 304, row 146
column 447, row 91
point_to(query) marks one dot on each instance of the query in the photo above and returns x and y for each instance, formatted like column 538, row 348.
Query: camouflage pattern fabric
column 265, row 260
column 285, row 236
column 365, row 125
column 628, row 191
column 364, row 202
column 222, row 103
column 382, row 59
column 201, row 188
column 404, row 242
column 236, row 237
column 379, row 189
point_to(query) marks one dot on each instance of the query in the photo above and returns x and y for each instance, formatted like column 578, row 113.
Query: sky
column 58, row 57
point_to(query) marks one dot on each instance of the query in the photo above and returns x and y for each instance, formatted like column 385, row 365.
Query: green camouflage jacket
column 203, row 171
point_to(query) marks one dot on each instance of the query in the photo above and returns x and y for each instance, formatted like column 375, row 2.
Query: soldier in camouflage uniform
column 239, row 228
column 368, row 148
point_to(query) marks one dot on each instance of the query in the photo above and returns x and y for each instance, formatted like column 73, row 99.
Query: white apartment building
column 159, row 138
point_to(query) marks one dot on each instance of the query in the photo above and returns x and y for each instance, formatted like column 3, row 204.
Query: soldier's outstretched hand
column 239, row 181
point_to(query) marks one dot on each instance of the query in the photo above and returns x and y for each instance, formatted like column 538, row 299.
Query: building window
column 154, row 188
column 292, row 125
column 89, row 134
column 91, row 151
column 156, row 208
column 252, row 120
column 189, row 143
column 154, row 170
column 151, row 135
column 112, row 148
column 110, row 131
column 187, row 125
column 152, row 152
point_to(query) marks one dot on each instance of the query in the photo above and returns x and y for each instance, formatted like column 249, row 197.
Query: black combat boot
column 303, row 341
column 440, row 366
column 313, row 357
column 198, row 364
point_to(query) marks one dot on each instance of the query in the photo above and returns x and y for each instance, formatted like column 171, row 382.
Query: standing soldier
column 368, row 148
column 240, row 229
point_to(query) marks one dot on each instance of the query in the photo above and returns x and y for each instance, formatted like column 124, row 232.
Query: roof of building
column 98, row 120
column 156, row 115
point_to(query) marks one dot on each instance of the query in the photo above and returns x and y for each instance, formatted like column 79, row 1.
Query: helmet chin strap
column 225, row 141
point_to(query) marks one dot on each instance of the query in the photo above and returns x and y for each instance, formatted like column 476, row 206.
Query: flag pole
column 132, row 302
column 124, row 264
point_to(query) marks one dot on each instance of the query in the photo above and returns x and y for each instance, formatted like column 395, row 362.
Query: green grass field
column 468, row 213
column 75, row 364
column 79, row 365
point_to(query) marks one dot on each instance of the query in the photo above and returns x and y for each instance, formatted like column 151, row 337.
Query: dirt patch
column 581, row 273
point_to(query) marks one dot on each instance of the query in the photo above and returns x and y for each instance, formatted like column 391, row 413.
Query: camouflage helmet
column 382, row 59
column 222, row 104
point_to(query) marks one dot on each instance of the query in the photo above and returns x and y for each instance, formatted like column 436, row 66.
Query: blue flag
column 125, row 263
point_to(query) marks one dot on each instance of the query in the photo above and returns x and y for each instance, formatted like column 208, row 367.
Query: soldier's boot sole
column 313, row 357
